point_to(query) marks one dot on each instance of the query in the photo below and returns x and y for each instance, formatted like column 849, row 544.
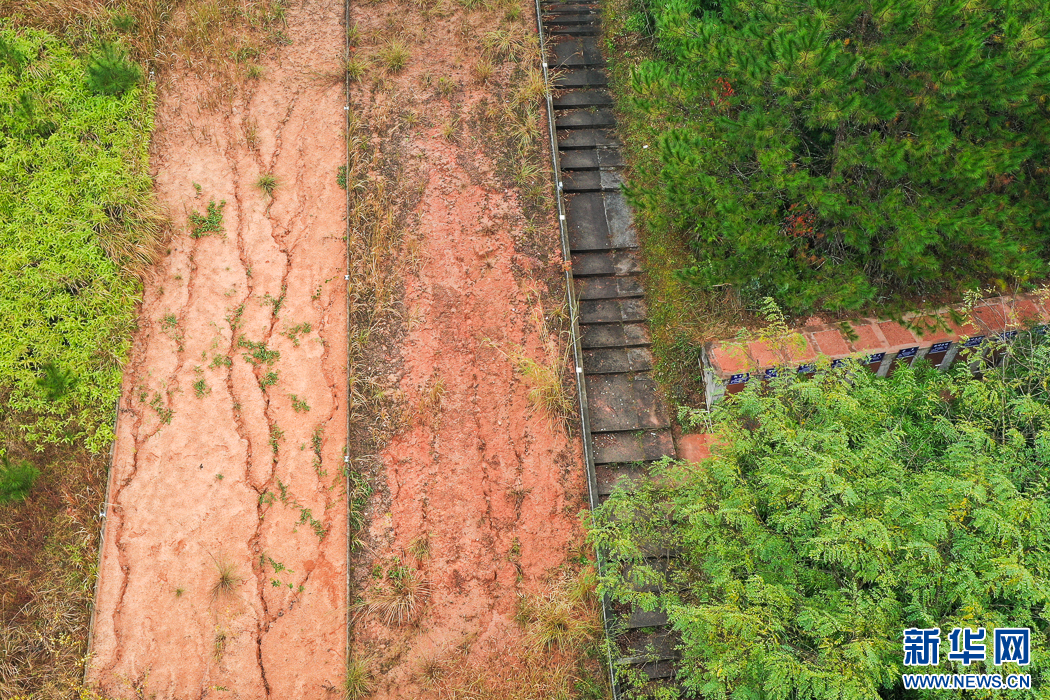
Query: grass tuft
column 397, row 597
column 419, row 548
column 394, row 56
column 267, row 182
column 358, row 682
column 227, row 580
column 564, row 616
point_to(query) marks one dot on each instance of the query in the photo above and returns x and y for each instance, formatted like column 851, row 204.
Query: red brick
column 831, row 343
column 995, row 316
column 1044, row 306
column 728, row 359
column 897, row 336
column 965, row 330
column 929, row 329
column 1026, row 311
column 869, row 337
column 814, row 322
column 787, row 354
column 695, row 447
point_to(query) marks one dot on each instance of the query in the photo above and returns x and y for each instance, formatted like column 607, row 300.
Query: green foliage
column 74, row 192
column 109, row 72
column 16, row 480
column 340, row 177
column 259, row 353
column 829, row 152
column 267, row 182
column 211, row 222
column 11, row 57
column 55, row 383
column 834, row 516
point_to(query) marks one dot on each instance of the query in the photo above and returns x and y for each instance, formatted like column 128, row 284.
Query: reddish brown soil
column 481, row 473
column 209, row 487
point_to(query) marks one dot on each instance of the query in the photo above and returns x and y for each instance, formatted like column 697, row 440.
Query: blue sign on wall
column 940, row 347
column 771, row 373
column 1008, row 335
column 974, row 341
column 806, row 369
column 877, row 357
column 835, row 364
column 907, row 352
column 739, row 378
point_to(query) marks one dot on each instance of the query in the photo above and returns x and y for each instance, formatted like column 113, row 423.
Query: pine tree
column 826, row 152
column 16, row 480
column 111, row 73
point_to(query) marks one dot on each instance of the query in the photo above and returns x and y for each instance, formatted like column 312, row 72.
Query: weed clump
column 398, row 595
column 227, row 580
column 358, row 682
column 211, row 222
column 562, row 617
column 267, row 182
column 394, row 56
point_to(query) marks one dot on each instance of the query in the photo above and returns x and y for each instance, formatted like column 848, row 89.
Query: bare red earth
column 218, row 462
column 482, row 474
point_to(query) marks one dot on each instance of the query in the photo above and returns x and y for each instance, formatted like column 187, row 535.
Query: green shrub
column 830, row 153
column 836, row 515
column 111, row 73
column 16, row 480
column 76, row 223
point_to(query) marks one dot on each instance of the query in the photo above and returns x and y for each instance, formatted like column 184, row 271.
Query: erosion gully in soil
column 229, row 455
column 224, row 567
column 478, row 493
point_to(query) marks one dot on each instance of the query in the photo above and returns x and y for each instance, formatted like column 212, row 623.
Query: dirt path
column 224, row 567
column 478, row 496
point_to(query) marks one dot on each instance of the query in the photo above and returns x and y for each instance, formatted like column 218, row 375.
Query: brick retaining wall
column 939, row 336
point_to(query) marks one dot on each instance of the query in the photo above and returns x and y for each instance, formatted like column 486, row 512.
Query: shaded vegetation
column 16, row 479
column 832, row 154
column 111, row 73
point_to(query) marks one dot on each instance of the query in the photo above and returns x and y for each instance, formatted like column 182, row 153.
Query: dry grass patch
column 397, row 597
column 226, row 580
column 558, row 656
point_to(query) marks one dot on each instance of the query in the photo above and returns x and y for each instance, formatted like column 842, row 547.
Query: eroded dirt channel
column 224, row 567
column 232, row 427
column 479, row 491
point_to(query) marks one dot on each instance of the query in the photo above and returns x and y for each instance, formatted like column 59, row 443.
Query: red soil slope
column 218, row 462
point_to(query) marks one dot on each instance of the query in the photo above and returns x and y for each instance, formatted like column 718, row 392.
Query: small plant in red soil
column 227, row 581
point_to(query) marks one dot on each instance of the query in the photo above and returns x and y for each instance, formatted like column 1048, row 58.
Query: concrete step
column 575, row 99
column 606, row 262
column 617, row 360
column 580, row 78
column 619, row 402
column 599, row 221
column 614, row 335
column 639, row 446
